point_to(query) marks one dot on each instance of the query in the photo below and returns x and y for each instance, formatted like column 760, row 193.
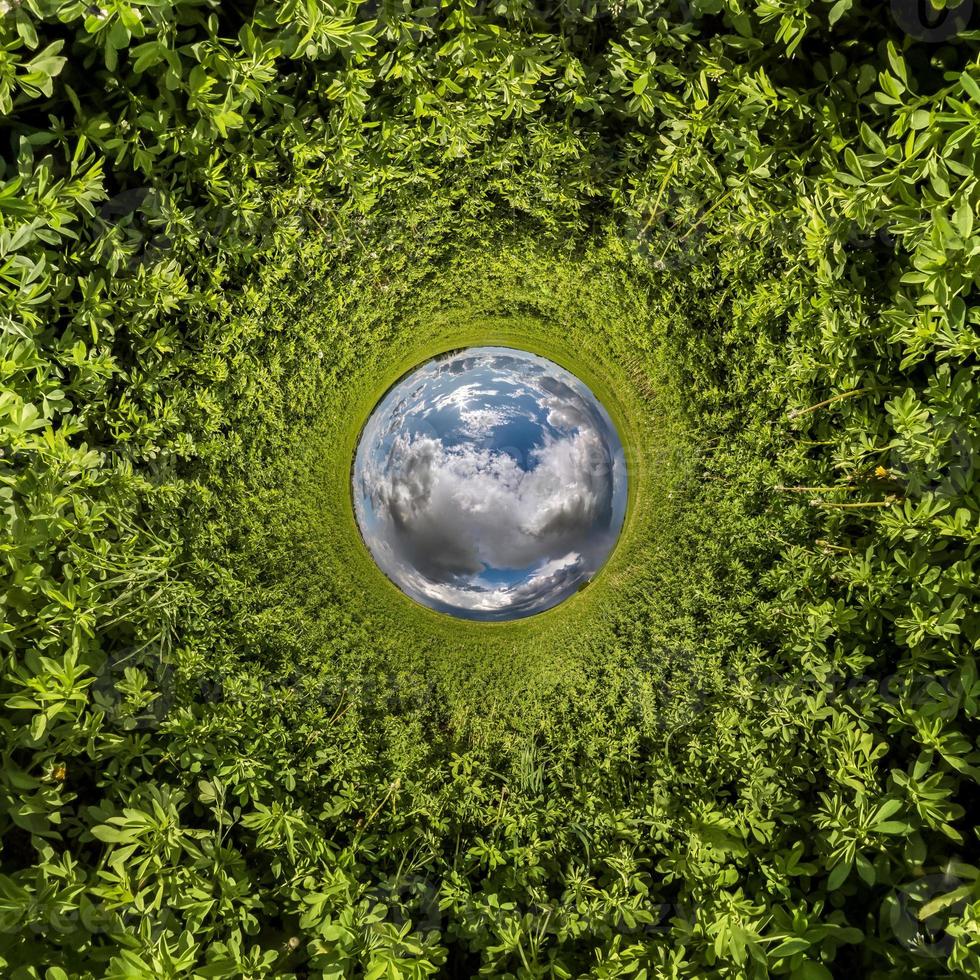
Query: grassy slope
column 554, row 309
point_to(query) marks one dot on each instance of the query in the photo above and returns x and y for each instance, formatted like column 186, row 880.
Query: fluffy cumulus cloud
column 460, row 509
column 490, row 484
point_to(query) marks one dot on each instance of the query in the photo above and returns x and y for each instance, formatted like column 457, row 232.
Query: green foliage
column 231, row 748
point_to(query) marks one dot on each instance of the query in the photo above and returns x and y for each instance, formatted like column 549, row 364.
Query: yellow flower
column 881, row 471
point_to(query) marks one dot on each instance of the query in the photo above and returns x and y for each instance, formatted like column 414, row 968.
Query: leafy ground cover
column 231, row 748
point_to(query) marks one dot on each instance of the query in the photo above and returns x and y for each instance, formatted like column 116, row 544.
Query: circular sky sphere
column 489, row 483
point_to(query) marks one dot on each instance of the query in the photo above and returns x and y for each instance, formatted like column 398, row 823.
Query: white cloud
column 459, row 509
column 479, row 423
column 536, row 592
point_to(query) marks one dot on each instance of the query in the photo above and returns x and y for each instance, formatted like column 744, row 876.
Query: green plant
column 230, row 747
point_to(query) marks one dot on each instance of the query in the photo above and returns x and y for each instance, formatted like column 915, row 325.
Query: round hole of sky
column 490, row 484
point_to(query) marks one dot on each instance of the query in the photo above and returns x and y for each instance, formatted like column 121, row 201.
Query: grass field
column 510, row 664
column 231, row 748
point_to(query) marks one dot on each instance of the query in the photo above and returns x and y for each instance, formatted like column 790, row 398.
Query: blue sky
column 489, row 484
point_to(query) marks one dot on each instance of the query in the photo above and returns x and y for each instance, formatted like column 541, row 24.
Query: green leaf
column 39, row 724
column 897, row 63
column 49, row 62
column 25, row 29
column 838, row 10
column 810, row 970
column 742, row 23
column 839, row 875
column 891, row 86
column 941, row 902
column 789, row 947
column 118, row 36
column 887, row 809
column 111, row 835
column 893, row 827
column 970, row 86
column 963, row 218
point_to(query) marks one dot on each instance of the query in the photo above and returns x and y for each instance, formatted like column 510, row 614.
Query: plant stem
column 796, row 413
column 887, row 502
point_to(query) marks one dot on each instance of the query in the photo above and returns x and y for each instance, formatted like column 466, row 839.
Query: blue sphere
column 490, row 484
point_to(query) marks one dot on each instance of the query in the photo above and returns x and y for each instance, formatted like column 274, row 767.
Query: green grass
column 501, row 670
column 231, row 748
